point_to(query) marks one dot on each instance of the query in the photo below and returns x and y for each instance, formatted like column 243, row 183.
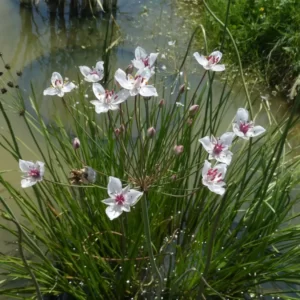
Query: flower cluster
column 217, row 148
column 122, row 199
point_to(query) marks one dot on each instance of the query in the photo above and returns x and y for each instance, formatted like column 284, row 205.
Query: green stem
column 149, row 243
column 211, row 242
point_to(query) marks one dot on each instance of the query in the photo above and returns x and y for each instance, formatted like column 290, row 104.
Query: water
column 38, row 43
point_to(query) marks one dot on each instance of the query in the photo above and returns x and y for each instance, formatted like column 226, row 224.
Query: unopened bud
column 151, row 132
column 174, row 177
column 178, row 149
column 129, row 69
column 76, row 143
column 117, row 131
column 193, row 109
column 181, row 89
column 161, row 103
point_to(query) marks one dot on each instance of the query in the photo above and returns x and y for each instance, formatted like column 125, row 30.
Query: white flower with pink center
column 244, row 128
column 143, row 60
column 107, row 100
column 94, row 74
column 210, row 62
column 213, row 177
column 121, row 199
column 59, row 87
column 33, row 172
column 138, row 84
column 217, row 148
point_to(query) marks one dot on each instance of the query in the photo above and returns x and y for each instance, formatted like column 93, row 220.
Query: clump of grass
column 266, row 33
column 180, row 240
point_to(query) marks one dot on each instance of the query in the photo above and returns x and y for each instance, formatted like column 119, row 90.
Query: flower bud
column 129, row 69
column 193, row 109
column 181, row 89
column 117, row 132
column 161, row 103
column 76, row 143
column 174, row 177
column 178, row 149
column 151, row 132
column 122, row 128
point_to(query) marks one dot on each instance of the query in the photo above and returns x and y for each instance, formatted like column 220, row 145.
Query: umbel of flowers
column 122, row 199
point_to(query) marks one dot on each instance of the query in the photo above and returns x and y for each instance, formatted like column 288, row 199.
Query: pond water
column 38, row 43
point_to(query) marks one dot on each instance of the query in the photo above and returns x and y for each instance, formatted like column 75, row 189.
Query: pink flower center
column 109, row 95
column 218, row 148
column 35, row 173
column 58, row 82
column 245, row 127
column 214, row 175
column 213, row 59
column 94, row 72
column 146, row 61
column 120, row 199
column 139, row 77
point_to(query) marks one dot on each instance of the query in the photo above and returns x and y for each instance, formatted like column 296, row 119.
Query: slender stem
column 211, row 242
column 148, row 241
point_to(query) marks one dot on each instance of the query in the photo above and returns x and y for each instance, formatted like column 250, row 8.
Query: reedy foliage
column 204, row 245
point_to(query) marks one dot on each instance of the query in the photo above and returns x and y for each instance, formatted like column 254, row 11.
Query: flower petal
column 200, row 59
column 100, row 107
column 114, row 186
column 207, row 144
column 85, row 71
column 224, row 157
column 25, row 165
column 222, row 168
column 93, row 78
column 98, row 90
column 206, row 167
column 109, row 201
column 51, row 91
column 242, row 115
column 218, row 68
column 152, row 59
column 138, row 64
column 68, row 87
column 121, row 96
column 216, row 189
column 125, row 207
column 120, row 77
column 133, row 196
column 41, row 166
column 100, row 67
column 113, row 211
column 255, row 131
column 56, row 76
column 148, row 91
column 217, row 55
column 140, row 53
column 27, row 182
column 226, row 138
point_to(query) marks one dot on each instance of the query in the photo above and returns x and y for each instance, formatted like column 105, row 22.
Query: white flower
column 107, row 100
column 120, row 199
column 94, row 74
column 213, row 178
column 210, row 62
column 59, row 87
column 171, row 43
column 138, row 84
column 33, row 172
column 218, row 147
column 143, row 60
column 244, row 128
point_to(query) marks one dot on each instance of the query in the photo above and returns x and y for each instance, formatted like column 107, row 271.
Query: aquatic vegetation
column 196, row 229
